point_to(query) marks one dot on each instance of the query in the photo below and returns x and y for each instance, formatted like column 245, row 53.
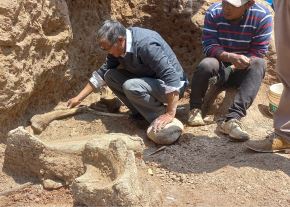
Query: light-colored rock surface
column 34, row 38
column 26, row 155
column 111, row 178
column 102, row 170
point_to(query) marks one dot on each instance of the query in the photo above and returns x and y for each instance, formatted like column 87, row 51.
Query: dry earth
column 202, row 168
column 47, row 52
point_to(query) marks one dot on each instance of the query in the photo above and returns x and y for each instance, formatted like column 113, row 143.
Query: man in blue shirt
column 141, row 69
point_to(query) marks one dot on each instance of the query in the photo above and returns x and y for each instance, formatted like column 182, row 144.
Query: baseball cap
column 237, row 3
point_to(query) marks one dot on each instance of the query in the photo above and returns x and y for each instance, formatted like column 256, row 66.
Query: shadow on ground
column 208, row 154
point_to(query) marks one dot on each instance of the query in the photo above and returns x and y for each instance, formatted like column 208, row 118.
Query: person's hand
column 160, row 122
column 73, row 102
column 240, row 61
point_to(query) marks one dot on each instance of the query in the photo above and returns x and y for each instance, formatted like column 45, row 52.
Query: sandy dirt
column 203, row 168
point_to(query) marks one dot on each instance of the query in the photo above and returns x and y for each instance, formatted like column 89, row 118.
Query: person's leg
column 115, row 79
column 147, row 95
column 282, row 30
column 280, row 139
column 248, row 82
column 206, row 69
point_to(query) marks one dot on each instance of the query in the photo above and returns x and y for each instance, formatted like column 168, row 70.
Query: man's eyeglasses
column 109, row 48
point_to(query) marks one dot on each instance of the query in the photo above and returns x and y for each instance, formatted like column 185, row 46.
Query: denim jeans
column 142, row 95
column 247, row 81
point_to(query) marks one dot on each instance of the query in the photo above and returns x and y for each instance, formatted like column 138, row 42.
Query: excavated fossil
column 101, row 169
column 41, row 121
column 108, row 103
column 25, row 154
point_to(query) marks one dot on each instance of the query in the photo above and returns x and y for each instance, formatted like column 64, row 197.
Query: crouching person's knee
column 131, row 88
column 207, row 66
column 259, row 66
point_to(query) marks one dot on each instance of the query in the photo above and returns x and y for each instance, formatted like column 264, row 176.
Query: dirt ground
column 203, row 168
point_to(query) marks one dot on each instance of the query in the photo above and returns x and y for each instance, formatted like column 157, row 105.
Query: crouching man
column 235, row 39
column 142, row 71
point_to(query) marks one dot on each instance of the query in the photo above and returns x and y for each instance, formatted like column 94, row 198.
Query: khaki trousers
column 282, row 41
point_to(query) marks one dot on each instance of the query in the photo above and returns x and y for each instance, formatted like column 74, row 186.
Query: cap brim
column 235, row 4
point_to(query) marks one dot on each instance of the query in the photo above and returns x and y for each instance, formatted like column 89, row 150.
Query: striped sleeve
column 211, row 46
column 261, row 38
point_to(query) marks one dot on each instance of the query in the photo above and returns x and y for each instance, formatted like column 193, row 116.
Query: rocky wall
column 34, row 38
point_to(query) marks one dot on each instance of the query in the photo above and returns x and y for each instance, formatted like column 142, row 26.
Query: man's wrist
column 171, row 113
column 231, row 57
column 79, row 99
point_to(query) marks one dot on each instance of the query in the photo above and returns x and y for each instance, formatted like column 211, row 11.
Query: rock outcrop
column 101, row 169
column 34, row 39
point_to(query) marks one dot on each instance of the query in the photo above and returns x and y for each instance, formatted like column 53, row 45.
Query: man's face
column 116, row 49
column 231, row 12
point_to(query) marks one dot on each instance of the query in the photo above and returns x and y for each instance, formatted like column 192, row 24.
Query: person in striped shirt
column 235, row 39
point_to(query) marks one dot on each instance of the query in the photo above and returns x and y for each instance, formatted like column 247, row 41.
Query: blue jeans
column 247, row 81
column 142, row 95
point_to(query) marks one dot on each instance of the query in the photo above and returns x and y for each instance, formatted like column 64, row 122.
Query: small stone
column 150, row 172
column 51, row 184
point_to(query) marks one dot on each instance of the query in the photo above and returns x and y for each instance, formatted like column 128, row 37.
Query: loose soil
column 203, row 168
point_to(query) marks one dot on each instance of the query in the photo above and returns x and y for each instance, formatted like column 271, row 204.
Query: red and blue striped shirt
column 249, row 37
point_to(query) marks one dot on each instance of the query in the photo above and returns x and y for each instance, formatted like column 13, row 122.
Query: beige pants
column 282, row 41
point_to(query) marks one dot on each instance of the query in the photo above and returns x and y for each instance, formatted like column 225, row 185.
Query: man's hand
column 161, row 121
column 88, row 89
column 73, row 102
column 239, row 61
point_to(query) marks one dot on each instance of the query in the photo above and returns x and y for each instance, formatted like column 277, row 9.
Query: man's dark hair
column 110, row 30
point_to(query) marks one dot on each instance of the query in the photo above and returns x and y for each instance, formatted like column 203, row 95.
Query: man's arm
column 260, row 42
column 210, row 43
column 111, row 63
column 95, row 82
column 153, row 55
column 166, row 118
column 88, row 89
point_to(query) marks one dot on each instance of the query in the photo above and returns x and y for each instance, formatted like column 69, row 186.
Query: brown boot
column 272, row 143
